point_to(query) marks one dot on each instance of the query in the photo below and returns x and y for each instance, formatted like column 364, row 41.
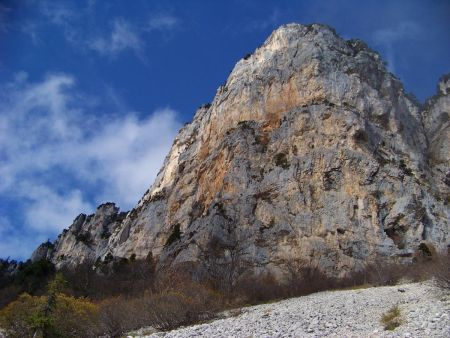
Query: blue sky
column 92, row 92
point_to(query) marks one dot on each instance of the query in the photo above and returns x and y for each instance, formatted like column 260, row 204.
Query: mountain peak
column 293, row 32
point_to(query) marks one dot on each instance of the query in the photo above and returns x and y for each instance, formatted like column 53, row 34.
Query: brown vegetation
column 125, row 295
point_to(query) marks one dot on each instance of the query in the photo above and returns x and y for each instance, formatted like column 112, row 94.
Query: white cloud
column 127, row 160
column 50, row 210
column 123, row 36
column 59, row 158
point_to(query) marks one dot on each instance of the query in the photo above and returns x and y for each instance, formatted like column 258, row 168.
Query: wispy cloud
column 57, row 12
column 269, row 22
column 126, row 36
column 3, row 15
column 162, row 22
column 122, row 37
column 55, row 153
column 63, row 15
column 31, row 29
column 403, row 30
column 386, row 38
column 79, row 25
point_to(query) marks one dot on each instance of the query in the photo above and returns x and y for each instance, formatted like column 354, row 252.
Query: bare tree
column 226, row 262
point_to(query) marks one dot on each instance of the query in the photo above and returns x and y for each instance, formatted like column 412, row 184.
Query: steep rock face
column 436, row 117
column 310, row 151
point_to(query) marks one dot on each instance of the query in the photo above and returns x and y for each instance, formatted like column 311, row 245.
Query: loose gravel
column 425, row 312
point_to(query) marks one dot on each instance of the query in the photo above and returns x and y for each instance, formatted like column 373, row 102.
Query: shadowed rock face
column 310, row 151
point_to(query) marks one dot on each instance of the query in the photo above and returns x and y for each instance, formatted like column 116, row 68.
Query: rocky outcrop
column 310, row 151
column 86, row 239
column 43, row 252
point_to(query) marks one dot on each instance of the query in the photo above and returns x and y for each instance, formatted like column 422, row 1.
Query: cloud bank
column 60, row 155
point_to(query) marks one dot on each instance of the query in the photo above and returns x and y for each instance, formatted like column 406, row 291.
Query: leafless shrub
column 376, row 274
column 441, row 272
column 257, row 289
column 304, row 278
column 119, row 315
column 175, row 300
column 171, row 309
column 122, row 277
column 179, row 300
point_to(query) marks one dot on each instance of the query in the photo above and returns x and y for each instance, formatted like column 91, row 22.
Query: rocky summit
column 310, row 152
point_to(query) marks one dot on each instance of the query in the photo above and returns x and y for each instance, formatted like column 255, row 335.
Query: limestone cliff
column 311, row 150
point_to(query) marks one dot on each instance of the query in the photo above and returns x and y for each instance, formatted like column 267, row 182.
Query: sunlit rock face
column 310, row 151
